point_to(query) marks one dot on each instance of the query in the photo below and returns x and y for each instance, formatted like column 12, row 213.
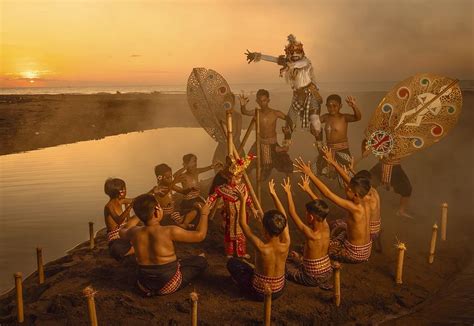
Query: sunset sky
column 132, row 42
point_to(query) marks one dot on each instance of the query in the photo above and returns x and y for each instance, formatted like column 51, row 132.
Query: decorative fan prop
column 209, row 96
column 415, row 114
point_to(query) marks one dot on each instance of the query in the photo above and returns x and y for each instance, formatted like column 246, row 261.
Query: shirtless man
column 272, row 154
column 270, row 254
column 353, row 245
column 159, row 270
column 116, row 217
column 372, row 200
column 335, row 130
column 314, row 268
column 189, row 178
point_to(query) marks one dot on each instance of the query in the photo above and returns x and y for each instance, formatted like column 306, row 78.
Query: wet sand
column 369, row 292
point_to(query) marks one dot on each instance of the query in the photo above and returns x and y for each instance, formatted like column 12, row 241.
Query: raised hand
column 304, row 185
column 218, row 165
column 251, row 56
column 271, row 187
column 286, row 185
column 243, row 99
column 328, row 155
column 351, row 101
column 302, row 167
column 205, row 208
column 242, row 193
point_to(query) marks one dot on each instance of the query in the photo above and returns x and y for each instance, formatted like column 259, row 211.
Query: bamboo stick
column 39, row 263
column 259, row 154
column 267, row 310
column 337, row 283
column 444, row 220
column 19, row 297
column 401, row 255
column 89, row 293
column 194, row 315
column 433, row 243
column 247, row 135
column 91, row 235
column 230, row 141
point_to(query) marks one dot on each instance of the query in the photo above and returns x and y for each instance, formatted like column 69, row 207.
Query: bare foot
column 404, row 214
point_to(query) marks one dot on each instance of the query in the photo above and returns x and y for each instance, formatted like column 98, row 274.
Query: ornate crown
column 239, row 166
column 293, row 45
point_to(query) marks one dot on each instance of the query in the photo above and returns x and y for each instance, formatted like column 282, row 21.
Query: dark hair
column 360, row 186
column 160, row 169
column 334, row 97
column 363, row 174
column 263, row 92
column 318, row 208
column 113, row 186
column 274, row 222
column 143, row 206
column 188, row 157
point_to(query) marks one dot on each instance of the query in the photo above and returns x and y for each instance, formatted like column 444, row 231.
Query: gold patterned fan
column 415, row 114
column 209, row 96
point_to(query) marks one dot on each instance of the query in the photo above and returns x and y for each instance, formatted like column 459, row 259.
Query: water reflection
column 48, row 196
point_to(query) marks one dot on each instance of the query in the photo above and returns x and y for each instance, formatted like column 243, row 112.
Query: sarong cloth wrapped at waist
column 358, row 252
column 375, row 226
column 317, row 267
column 159, row 279
column 259, row 282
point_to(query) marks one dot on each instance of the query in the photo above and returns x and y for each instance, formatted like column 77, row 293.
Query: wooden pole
column 401, row 255
column 259, row 154
column 194, row 315
column 444, row 220
column 89, row 293
column 39, row 263
column 267, row 310
column 19, row 297
column 337, row 283
column 433, row 243
column 230, row 141
column 91, row 235
column 247, row 135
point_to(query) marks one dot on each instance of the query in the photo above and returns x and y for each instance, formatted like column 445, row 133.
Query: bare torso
column 358, row 226
column 153, row 245
column 268, row 122
column 165, row 200
column 335, row 128
column 189, row 180
column 317, row 246
column 271, row 259
column 111, row 209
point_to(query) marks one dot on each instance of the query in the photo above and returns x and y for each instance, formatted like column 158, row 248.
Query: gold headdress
column 239, row 166
column 293, row 45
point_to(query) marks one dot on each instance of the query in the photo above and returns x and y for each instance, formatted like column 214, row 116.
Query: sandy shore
column 369, row 293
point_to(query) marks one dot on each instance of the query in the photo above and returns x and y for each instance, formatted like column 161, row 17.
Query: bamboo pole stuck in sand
column 230, row 141
column 39, row 263
column 259, row 154
column 401, row 255
column 444, row 220
column 434, row 235
column 19, row 297
column 267, row 308
column 247, row 135
column 89, row 293
column 337, row 283
column 91, row 235
column 194, row 315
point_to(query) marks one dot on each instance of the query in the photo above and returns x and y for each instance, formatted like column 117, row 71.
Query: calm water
column 48, row 196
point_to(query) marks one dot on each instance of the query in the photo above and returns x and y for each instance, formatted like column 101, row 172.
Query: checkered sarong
column 358, row 253
column 259, row 282
column 375, row 226
column 195, row 193
column 172, row 286
column 317, row 267
column 114, row 234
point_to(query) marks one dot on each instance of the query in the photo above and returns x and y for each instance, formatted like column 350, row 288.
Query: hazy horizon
column 85, row 43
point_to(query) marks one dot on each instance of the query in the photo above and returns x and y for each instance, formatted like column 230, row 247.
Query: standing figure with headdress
column 234, row 238
column 298, row 72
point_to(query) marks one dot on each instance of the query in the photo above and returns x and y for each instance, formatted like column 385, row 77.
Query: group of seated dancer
column 159, row 221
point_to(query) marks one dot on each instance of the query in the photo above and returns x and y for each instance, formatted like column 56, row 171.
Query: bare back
column 374, row 205
column 358, row 226
column 271, row 258
column 316, row 246
column 153, row 244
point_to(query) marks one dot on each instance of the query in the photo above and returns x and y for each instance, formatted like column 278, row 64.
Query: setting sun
column 30, row 74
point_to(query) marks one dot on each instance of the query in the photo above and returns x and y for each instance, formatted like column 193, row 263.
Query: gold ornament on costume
column 238, row 166
column 415, row 114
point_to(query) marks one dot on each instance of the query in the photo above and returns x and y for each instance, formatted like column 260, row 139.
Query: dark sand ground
column 369, row 293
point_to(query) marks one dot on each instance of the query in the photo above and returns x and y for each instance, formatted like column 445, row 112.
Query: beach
column 369, row 292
